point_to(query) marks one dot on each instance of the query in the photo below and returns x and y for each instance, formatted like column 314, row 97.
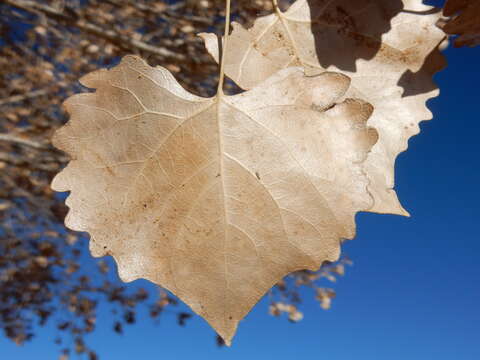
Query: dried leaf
column 215, row 199
column 331, row 35
column 464, row 21
column 41, row 261
column 4, row 205
column 325, row 296
column 274, row 310
column 295, row 316
column 182, row 318
column 118, row 328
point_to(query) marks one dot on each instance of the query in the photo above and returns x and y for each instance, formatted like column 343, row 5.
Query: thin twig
column 224, row 50
column 22, row 161
column 22, row 141
column 22, row 97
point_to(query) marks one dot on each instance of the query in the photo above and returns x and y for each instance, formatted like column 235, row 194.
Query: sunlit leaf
column 216, row 199
column 392, row 70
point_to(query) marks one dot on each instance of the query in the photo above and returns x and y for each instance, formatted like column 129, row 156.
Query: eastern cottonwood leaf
column 321, row 35
column 215, row 199
column 465, row 21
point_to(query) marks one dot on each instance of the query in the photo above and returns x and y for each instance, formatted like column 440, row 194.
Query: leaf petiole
column 224, row 49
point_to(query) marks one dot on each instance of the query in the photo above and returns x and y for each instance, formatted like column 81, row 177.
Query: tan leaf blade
column 302, row 36
column 464, row 21
column 214, row 199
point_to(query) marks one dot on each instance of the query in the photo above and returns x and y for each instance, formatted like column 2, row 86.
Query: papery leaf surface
column 215, row 199
column 388, row 48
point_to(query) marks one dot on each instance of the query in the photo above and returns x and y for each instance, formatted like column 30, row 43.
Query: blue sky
column 413, row 292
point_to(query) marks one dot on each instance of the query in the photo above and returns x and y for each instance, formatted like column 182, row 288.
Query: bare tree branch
column 22, row 141
column 22, row 97
column 14, row 160
column 107, row 34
